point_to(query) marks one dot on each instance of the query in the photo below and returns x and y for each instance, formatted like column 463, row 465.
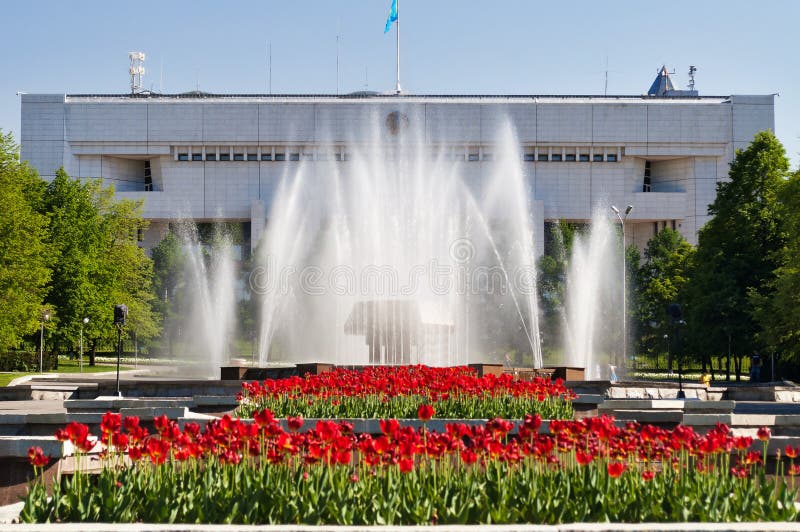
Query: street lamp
column 45, row 317
column 622, row 219
column 83, row 322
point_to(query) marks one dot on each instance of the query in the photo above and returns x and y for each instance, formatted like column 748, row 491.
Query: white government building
column 220, row 157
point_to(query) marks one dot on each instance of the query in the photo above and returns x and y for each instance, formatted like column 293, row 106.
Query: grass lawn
column 65, row 365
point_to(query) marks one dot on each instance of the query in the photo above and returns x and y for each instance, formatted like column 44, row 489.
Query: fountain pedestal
column 488, row 369
column 569, row 373
column 251, row 373
column 563, row 372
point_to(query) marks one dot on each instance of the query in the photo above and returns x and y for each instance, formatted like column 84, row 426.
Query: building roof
column 361, row 97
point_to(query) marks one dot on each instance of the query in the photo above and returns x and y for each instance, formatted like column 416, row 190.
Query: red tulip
column 263, row 417
column 753, row 457
column 583, row 458
column 425, row 412
column 739, row 472
column 110, row 423
column 615, row 469
column 37, row 458
column 406, row 465
column 764, row 433
column 294, row 423
column 160, row 423
column 791, row 452
column 389, row 426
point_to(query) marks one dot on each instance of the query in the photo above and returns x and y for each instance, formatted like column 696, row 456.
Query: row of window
column 455, row 156
column 254, row 157
column 571, row 157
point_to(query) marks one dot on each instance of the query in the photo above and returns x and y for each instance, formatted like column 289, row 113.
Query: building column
column 258, row 219
column 538, row 227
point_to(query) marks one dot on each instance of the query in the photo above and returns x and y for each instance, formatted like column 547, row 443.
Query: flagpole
column 397, row 87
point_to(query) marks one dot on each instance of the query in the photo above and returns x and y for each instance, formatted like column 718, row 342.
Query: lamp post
column 622, row 219
column 45, row 317
column 80, row 363
column 678, row 325
column 120, row 315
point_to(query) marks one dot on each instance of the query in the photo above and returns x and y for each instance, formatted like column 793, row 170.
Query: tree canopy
column 97, row 262
column 779, row 312
column 736, row 253
column 662, row 280
column 24, row 254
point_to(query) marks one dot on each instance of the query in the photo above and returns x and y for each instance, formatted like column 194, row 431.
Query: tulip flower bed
column 382, row 392
column 582, row 471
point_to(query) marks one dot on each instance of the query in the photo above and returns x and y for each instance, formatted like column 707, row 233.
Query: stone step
column 114, row 404
column 648, row 416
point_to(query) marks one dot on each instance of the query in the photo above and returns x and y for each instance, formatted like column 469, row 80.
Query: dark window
column 294, row 156
column 280, row 156
column 183, row 156
column 472, row 157
column 139, row 234
column 266, row 156
column 197, row 156
column 584, row 157
column 238, row 156
column 556, row 157
column 346, row 157
column 570, row 157
column 148, row 177
column 611, row 157
column 252, row 156
column 646, row 183
column 338, row 157
column 598, row 158
column 543, row 157
column 211, row 156
column 529, row 157
column 224, row 156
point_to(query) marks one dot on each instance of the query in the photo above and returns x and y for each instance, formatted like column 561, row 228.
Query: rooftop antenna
column 270, row 67
column 366, row 78
column 692, row 70
column 197, row 80
column 337, row 64
column 136, row 71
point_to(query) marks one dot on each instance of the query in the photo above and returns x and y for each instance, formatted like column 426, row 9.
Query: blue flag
column 392, row 16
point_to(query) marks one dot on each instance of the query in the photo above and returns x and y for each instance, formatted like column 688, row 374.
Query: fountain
column 209, row 294
column 400, row 252
column 592, row 284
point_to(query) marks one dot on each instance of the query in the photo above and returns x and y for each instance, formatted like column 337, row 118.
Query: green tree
column 736, row 253
column 97, row 263
column 662, row 279
column 552, row 283
column 24, row 254
column 778, row 313
column 169, row 260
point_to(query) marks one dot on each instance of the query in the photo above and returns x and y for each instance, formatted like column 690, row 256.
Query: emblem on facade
column 396, row 122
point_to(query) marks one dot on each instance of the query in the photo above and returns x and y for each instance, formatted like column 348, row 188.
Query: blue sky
column 448, row 46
